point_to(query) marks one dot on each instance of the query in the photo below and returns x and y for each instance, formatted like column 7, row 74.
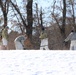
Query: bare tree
column 28, row 26
column 57, row 18
column 71, row 4
column 37, row 13
column 29, row 18
column 41, row 18
column 4, row 7
column 64, row 18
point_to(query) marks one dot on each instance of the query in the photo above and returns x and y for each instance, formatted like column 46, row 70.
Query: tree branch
column 18, row 11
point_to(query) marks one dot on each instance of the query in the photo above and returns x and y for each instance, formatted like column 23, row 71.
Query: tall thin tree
column 4, row 7
column 64, row 18
column 29, row 18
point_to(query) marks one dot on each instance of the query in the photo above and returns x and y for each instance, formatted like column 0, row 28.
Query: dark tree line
column 66, row 7
column 5, row 4
column 5, row 9
column 28, row 26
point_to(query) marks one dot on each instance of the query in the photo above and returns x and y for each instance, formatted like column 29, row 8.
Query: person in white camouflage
column 19, row 42
column 44, row 40
column 72, row 38
column 5, row 37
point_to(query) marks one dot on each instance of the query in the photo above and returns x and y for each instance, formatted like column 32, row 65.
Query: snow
column 40, row 62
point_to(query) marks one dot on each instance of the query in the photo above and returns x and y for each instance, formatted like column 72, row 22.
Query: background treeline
column 58, row 19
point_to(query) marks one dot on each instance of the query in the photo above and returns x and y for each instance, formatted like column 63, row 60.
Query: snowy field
column 37, row 62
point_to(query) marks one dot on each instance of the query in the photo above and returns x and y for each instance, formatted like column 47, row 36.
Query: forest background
column 57, row 16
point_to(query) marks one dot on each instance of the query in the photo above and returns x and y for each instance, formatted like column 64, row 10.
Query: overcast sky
column 43, row 3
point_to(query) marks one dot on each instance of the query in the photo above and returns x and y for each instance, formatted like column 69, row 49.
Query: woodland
column 28, row 16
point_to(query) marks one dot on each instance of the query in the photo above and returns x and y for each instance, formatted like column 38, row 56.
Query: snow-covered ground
column 37, row 62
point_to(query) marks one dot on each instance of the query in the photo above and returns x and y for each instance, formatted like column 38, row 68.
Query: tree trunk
column 28, row 26
column 37, row 13
column 5, row 19
column 64, row 18
column 5, row 11
column 73, row 15
column 29, row 18
column 41, row 19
